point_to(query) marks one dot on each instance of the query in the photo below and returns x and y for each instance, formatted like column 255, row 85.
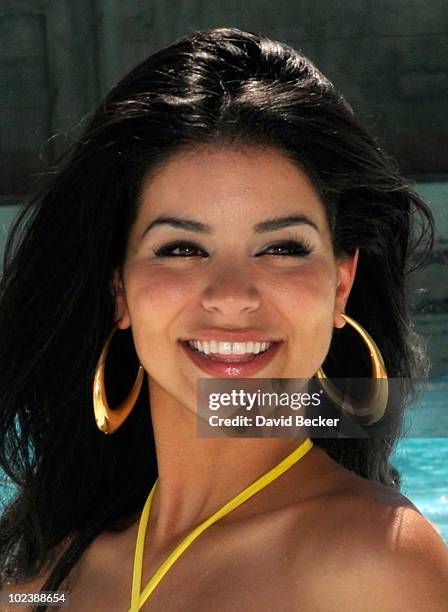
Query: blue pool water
column 422, row 461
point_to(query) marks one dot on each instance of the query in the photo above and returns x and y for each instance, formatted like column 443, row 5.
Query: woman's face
column 231, row 248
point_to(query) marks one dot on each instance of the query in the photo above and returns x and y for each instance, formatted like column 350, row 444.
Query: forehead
column 216, row 179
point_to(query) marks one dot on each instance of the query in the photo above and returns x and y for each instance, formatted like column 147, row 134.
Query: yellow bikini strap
column 138, row 600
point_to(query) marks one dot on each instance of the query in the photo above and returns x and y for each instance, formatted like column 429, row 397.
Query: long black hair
column 220, row 86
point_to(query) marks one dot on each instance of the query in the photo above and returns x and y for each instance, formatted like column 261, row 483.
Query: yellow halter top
column 138, row 598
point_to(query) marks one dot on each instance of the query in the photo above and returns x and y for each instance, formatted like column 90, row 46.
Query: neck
column 199, row 475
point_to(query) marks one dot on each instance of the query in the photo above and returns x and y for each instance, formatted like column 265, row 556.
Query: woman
column 222, row 192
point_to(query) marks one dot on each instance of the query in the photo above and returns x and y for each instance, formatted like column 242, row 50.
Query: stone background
column 388, row 57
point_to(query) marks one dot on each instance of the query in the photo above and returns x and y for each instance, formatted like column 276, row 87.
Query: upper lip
column 231, row 335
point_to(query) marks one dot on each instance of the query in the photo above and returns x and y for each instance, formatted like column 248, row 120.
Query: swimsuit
column 139, row 597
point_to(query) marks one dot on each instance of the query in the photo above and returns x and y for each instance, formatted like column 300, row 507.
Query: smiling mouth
column 232, row 358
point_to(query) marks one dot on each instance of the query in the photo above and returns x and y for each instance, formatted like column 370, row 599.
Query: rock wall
column 57, row 57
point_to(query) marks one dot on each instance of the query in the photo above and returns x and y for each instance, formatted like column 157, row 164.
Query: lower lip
column 235, row 369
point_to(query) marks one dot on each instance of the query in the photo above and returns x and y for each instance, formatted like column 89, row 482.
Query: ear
column 346, row 268
column 122, row 317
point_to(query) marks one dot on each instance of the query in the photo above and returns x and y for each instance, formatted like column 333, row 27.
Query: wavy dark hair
column 223, row 87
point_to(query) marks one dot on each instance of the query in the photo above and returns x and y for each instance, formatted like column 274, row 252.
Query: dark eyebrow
column 280, row 222
column 187, row 224
column 265, row 226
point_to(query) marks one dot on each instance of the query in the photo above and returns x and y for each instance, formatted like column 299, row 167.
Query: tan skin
column 319, row 538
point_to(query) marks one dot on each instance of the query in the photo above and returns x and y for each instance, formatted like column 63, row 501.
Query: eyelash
column 296, row 248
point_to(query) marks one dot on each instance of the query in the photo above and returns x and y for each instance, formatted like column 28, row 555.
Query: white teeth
column 239, row 348
column 225, row 348
column 229, row 348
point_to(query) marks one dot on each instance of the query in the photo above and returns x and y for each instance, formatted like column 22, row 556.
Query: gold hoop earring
column 107, row 420
column 374, row 406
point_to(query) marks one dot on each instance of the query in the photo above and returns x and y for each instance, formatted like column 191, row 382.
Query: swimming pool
column 423, row 462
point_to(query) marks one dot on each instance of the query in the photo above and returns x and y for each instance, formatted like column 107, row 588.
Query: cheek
column 155, row 299
column 309, row 290
column 305, row 301
column 155, row 294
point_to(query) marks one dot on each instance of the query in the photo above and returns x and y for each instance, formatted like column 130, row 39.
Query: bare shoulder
column 376, row 551
column 381, row 518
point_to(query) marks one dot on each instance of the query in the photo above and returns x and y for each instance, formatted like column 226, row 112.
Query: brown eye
column 183, row 248
column 288, row 247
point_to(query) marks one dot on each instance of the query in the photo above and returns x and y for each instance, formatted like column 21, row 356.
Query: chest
column 223, row 570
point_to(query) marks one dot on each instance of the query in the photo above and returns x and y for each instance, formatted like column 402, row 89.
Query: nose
column 230, row 291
